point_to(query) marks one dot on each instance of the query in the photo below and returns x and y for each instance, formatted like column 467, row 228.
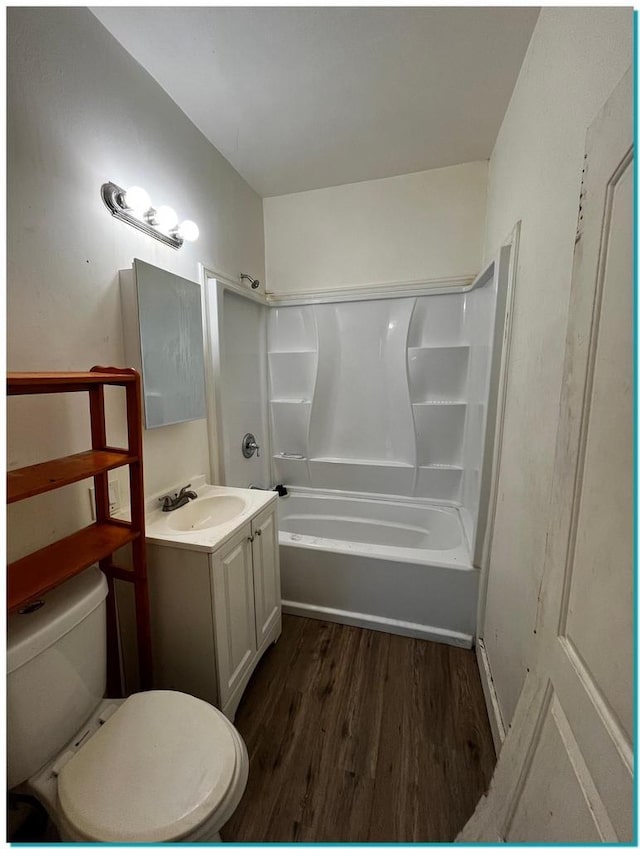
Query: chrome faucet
column 178, row 499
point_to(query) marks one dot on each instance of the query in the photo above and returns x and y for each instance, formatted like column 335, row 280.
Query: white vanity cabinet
column 214, row 613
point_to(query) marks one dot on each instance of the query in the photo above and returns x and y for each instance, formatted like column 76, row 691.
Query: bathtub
column 400, row 566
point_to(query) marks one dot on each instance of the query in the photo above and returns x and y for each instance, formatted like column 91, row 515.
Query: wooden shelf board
column 36, row 382
column 35, row 574
column 44, row 477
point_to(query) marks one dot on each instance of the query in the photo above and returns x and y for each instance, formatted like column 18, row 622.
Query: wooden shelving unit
column 33, row 575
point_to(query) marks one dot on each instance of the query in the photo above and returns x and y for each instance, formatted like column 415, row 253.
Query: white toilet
column 160, row 766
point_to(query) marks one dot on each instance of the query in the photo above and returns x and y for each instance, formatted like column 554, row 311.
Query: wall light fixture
column 134, row 206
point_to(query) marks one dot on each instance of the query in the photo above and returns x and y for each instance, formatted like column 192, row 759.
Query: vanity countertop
column 159, row 530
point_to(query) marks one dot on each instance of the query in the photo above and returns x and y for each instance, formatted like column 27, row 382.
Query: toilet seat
column 162, row 767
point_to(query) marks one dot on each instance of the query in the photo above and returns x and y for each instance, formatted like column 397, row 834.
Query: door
column 266, row 574
column 233, row 611
column 565, row 772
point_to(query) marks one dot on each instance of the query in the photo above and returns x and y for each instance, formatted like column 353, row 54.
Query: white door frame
column 507, row 263
column 214, row 283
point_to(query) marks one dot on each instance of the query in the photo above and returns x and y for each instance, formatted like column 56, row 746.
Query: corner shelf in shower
column 46, row 568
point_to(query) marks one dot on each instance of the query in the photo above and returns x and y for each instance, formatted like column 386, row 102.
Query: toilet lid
column 157, row 769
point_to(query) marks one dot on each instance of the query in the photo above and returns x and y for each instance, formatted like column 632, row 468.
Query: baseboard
column 490, row 696
column 379, row 623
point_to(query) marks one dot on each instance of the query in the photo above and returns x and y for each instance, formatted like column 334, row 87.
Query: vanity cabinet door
column 233, row 611
column 266, row 573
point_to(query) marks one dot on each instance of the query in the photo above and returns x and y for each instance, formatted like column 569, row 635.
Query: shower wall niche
column 387, row 397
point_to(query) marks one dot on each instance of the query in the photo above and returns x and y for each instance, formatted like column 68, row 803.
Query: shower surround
column 378, row 414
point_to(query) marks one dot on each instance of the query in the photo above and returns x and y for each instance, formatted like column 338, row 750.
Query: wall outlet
column 114, row 499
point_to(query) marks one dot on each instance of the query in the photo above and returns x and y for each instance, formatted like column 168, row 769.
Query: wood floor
column 356, row 735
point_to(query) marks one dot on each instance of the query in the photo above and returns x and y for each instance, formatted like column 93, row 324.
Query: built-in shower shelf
column 439, row 433
column 439, row 404
column 453, row 346
column 294, row 470
column 295, row 351
column 292, row 375
column 438, row 374
column 439, row 480
column 347, row 461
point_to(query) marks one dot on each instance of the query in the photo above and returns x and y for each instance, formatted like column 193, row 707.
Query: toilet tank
column 56, row 671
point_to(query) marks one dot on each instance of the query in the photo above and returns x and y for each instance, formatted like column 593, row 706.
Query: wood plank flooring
column 356, row 735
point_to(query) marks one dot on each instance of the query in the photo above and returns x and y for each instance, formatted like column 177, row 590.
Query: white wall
column 575, row 58
column 81, row 111
column 414, row 227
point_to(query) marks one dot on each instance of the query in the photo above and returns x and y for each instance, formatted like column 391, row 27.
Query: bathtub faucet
column 279, row 488
column 178, row 499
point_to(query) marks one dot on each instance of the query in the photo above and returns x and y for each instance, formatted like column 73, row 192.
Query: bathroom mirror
column 162, row 316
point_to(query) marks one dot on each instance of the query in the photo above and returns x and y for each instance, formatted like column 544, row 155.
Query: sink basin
column 205, row 513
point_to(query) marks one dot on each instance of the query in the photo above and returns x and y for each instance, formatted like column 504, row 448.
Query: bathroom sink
column 205, row 513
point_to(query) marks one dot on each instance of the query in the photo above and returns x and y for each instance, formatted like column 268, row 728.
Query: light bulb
column 165, row 218
column 189, row 231
column 137, row 200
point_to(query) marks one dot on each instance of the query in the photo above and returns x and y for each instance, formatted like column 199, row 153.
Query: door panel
column 601, row 583
column 555, row 773
column 266, row 574
column 233, row 611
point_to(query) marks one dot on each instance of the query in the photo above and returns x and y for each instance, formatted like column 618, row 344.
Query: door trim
column 496, row 720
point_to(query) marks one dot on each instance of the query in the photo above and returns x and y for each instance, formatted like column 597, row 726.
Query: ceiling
column 302, row 98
